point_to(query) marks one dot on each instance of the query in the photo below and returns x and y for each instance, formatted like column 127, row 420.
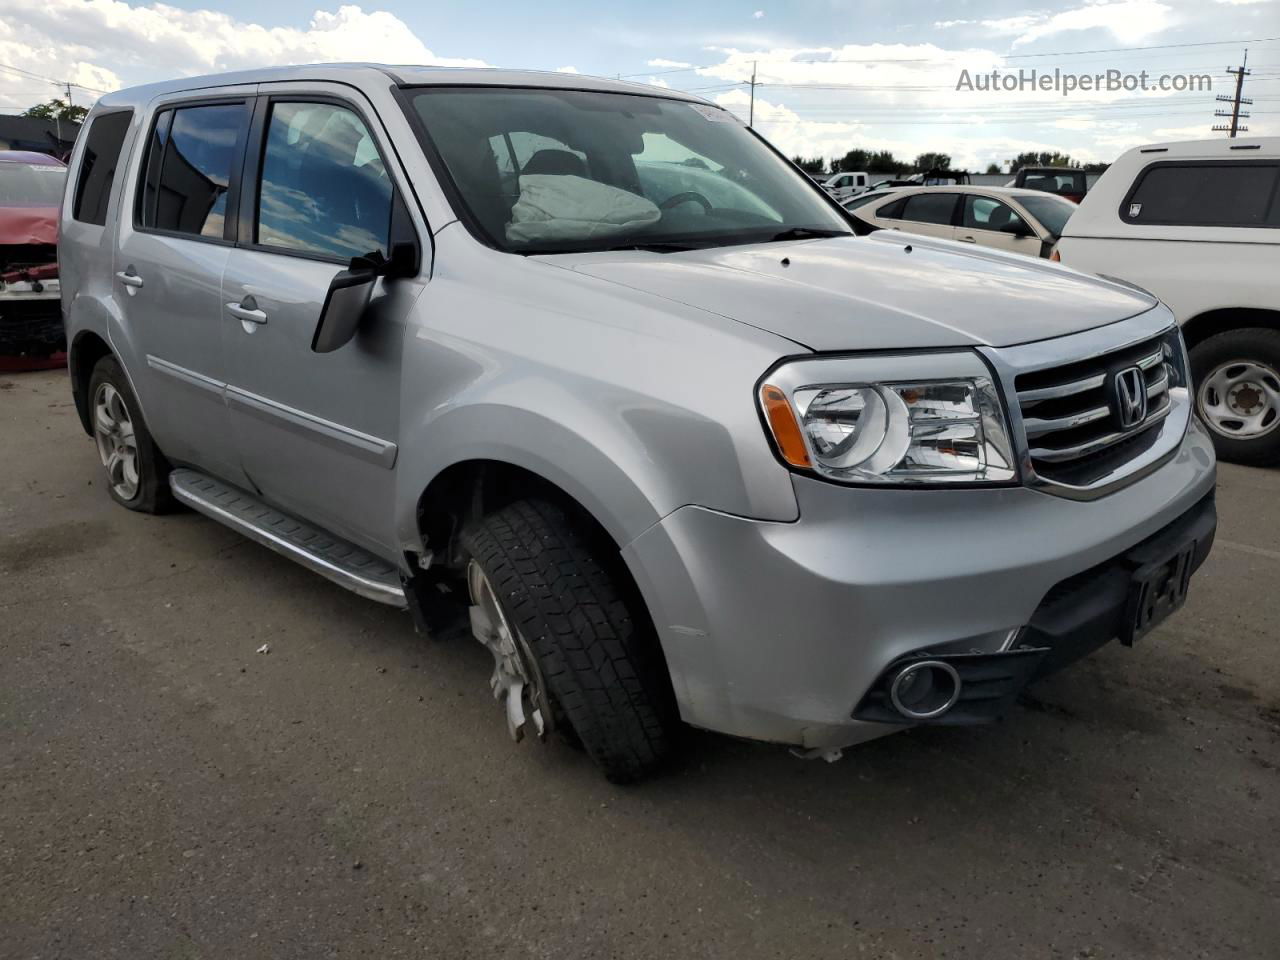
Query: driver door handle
column 967, row 240
column 247, row 310
column 129, row 278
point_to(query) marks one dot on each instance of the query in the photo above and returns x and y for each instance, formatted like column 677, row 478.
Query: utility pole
column 751, row 114
column 1236, row 102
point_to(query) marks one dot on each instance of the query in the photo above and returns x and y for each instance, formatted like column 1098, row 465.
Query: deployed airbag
column 555, row 207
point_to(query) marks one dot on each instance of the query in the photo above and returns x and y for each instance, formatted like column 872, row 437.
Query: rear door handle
column 129, row 278
column 968, row 240
column 247, row 314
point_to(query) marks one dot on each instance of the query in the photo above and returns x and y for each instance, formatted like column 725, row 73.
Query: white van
column 1198, row 225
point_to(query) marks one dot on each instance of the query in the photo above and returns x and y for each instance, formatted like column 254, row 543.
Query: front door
column 990, row 223
column 174, row 241
column 317, row 432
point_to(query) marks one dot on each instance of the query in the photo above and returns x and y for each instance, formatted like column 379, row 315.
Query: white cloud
column 663, row 62
column 1129, row 21
column 758, row 15
column 567, row 70
column 1244, row 3
column 104, row 43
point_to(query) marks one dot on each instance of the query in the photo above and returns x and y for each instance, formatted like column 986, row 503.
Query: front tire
column 137, row 472
column 593, row 650
column 1237, row 382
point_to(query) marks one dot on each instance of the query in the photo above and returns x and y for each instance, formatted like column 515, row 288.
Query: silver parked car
column 592, row 369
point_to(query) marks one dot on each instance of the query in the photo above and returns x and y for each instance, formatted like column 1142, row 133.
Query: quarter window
column 324, row 188
column 190, row 159
column 930, row 208
column 1206, row 194
column 98, row 166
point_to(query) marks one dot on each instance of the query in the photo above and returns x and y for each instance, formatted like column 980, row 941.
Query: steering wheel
column 687, row 197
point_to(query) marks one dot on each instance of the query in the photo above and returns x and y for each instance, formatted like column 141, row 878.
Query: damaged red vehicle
column 30, row 306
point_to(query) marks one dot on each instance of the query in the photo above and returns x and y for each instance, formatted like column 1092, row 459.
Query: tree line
column 883, row 161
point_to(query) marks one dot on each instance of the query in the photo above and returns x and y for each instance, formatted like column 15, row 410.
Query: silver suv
column 592, row 370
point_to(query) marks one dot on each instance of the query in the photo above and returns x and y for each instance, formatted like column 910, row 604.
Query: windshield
column 1053, row 212
column 553, row 171
column 31, row 184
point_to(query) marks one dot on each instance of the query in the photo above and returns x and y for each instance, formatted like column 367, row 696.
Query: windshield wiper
column 810, row 233
column 655, row 247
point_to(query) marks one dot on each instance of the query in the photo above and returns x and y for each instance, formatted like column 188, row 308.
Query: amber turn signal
column 782, row 422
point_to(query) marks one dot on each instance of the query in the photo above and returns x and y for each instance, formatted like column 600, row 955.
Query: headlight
column 827, row 416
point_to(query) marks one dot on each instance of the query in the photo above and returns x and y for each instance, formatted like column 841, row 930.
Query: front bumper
column 777, row 631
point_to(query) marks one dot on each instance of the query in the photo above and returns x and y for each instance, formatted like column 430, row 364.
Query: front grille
column 1072, row 418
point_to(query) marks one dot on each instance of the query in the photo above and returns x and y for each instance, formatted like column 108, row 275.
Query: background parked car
column 1020, row 221
column 1066, row 182
column 845, row 185
column 30, row 312
column 871, row 196
column 1198, row 224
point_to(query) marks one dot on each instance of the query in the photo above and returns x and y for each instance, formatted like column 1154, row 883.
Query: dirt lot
column 167, row 792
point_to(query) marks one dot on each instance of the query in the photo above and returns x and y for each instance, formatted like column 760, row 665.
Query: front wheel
column 571, row 646
column 1237, row 383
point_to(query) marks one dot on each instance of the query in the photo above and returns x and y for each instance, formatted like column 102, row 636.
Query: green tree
column 810, row 165
column 882, row 161
column 57, row 110
column 993, row 168
column 933, row 161
column 853, row 161
column 1042, row 158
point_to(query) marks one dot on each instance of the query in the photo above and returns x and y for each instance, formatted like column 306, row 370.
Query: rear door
column 317, row 432
column 176, row 227
column 931, row 214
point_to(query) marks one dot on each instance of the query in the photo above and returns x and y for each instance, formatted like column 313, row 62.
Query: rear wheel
column 137, row 473
column 1237, row 382
column 572, row 650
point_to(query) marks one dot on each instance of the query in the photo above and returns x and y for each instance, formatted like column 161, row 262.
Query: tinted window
column 862, row 200
column 930, row 207
column 1052, row 212
column 324, row 188
column 892, row 211
column 98, row 165
column 983, row 213
column 192, row 154
column 1225, row 194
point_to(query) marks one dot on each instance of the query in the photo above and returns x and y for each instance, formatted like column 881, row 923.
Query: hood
column 22, row 225
column 886, row 291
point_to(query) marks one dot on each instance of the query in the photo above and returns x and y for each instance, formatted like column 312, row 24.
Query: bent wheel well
column 1213, row 322
column 84, row 355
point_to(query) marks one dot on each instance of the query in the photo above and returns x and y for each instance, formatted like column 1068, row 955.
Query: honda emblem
column 1131, row 396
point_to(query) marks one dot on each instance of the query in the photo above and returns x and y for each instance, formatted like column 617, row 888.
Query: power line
column 55, row 81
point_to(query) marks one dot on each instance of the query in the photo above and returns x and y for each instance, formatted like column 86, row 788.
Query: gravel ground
column 167, row 792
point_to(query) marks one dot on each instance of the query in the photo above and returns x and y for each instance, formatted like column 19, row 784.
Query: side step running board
column 344, row 563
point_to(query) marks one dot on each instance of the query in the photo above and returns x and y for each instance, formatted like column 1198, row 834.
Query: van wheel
column 137, row 473
column 1237, row 382
column 572, row 651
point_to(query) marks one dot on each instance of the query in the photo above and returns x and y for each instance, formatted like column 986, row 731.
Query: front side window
column 324, row 188
column 98, row 166
column 1206, row 194
column 190, row 159
column 930, row 208
column 983, row 213
column 552, row 171
column 1052, row 212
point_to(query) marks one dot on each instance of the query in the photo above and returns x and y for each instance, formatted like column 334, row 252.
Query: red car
column 30, row 305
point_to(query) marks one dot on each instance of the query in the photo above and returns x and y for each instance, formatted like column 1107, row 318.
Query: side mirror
column 344, row 306
column 1018, row 228
column 349, row 293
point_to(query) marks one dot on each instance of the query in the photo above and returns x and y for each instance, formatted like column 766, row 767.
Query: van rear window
column 98, row 166
column 1225, row 194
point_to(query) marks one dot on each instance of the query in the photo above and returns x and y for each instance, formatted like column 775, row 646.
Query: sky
column 832, row 75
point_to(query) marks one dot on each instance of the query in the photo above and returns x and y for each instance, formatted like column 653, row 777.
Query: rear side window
column 324, row 188
column 892, row 211
column 1221, row 194
column 98, row 166
column 930, row 208
column 190, row 159
column 983, row 213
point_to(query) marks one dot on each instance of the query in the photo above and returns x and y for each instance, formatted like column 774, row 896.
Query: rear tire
column 137, row 472
column 594, row 646
column 1236, row 376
